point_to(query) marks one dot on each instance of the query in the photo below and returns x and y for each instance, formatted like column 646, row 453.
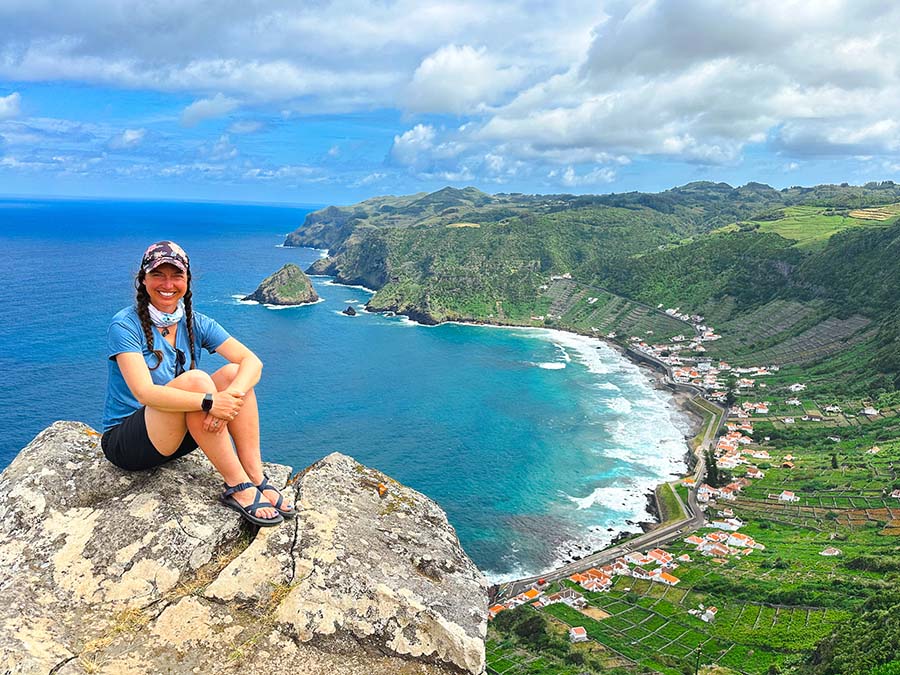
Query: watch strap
column 207, row 403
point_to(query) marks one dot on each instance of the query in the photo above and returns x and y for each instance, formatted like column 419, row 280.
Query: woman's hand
column 226, row 406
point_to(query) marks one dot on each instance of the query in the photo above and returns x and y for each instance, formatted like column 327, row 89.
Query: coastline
column 656, row 376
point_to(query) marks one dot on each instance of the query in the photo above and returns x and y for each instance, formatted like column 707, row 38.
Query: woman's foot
column 247, row 500
column 282, row 504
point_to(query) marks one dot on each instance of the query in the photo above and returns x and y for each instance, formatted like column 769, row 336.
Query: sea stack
column 349, row 311
column 288, row 286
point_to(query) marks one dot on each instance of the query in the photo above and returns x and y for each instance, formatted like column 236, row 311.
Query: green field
column 811, row 226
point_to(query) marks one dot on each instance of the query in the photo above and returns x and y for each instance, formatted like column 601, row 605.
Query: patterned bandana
column 163, row 319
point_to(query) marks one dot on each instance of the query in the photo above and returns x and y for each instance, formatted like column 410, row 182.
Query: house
column 532, row 594
column 869, row 410
column 787, row 465
column 660, row 556
column 640, row 573
column 788, row 420
column 668, row 579
column 709, row 614
column 793, row 401
column 753, row 472
column 788, row 496
column 568, row 597
column 874, row 450
column 797, row 387
column 684, row 557
column 495, row 610
column 896, row 494
column 831, row 551
column 577, row 634
column 697, row 541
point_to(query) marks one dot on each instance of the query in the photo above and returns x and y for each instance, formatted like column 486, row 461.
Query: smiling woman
column 157, row 411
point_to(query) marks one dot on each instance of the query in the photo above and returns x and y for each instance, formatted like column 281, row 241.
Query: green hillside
column 804, row 279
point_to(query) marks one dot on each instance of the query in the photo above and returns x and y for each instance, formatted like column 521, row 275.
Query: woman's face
column 166, row 285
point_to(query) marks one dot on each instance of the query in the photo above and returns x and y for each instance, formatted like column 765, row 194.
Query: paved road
column 657, row 537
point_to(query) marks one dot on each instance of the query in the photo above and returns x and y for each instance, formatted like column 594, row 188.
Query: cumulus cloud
column 412, row 146
column 10, row 105
column 576, row 89
column 207, row 108
column 460, row 79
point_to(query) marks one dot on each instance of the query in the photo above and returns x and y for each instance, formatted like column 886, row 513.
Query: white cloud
column 245, row 127
column 460, row 79
column 129, row 138
column 570, row 178
column 222, row 150
column 10, row 105
column 207, row 108
column 412, row 146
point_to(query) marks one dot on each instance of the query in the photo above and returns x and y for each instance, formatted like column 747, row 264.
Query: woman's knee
column 225, row 375
column 194, row 380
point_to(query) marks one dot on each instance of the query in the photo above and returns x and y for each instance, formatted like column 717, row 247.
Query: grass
column 812, row 226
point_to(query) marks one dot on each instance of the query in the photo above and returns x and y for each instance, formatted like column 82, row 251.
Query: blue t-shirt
column 125, row 335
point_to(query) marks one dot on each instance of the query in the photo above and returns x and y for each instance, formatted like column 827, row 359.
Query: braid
column 143, row 312
column 189, row 316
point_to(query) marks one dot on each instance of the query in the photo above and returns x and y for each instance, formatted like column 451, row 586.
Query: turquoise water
column 531, row 440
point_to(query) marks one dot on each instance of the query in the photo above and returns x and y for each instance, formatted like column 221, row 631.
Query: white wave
column 619, row 405
column 332, row 282
column 552, row 365
column 303, row 304
column 565, row 354
column 351, row 300
column 609, row 386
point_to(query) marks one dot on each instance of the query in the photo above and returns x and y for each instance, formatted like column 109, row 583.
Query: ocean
column 538, row 444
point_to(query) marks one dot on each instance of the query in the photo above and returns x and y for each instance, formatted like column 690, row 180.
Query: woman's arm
column 137, row 377
column 249, row 365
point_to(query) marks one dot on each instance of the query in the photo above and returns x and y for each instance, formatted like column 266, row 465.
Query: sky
column 320, row 102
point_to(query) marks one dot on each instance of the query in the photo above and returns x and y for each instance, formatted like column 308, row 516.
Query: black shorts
column 128, row 445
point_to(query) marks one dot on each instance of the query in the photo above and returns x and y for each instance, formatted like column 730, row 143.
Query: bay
column 535, row 442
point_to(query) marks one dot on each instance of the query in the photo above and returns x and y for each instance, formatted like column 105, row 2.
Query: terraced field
column 812, row 226
column 594, row 310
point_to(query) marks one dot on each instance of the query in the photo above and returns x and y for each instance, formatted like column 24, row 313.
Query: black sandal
column 288, row 512
column 249, row 512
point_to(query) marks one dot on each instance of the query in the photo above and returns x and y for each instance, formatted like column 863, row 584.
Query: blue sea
column 538, row 444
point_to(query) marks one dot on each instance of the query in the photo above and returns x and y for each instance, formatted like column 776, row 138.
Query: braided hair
column 143, row 312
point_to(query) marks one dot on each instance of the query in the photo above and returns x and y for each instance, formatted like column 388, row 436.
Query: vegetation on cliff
column 287, row 286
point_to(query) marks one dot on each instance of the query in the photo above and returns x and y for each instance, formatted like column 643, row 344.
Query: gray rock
column 107, row 571
column 288, row 286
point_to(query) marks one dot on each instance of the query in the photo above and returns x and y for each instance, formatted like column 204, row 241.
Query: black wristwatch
column 206, row 406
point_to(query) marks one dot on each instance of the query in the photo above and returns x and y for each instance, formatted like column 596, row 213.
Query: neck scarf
column 162, row 319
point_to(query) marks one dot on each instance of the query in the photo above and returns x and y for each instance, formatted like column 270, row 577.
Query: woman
column 160, row 406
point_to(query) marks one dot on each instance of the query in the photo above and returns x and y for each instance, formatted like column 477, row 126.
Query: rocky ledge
column 288, row 286
column 105, row 571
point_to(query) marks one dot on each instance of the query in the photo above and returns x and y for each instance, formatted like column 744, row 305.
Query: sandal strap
column 231, row 489
column 266, row 485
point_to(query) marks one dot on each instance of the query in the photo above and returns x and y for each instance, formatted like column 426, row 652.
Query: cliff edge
column 105, row 571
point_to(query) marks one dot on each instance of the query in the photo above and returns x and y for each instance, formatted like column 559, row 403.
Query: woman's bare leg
column 244, row 429
column 166, row 431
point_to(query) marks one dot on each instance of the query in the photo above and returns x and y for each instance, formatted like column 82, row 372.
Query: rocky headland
column 106, row 571
column 288, row 286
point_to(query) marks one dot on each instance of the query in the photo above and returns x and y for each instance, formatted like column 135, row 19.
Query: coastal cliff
column 287, row 286
column 106, row 571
